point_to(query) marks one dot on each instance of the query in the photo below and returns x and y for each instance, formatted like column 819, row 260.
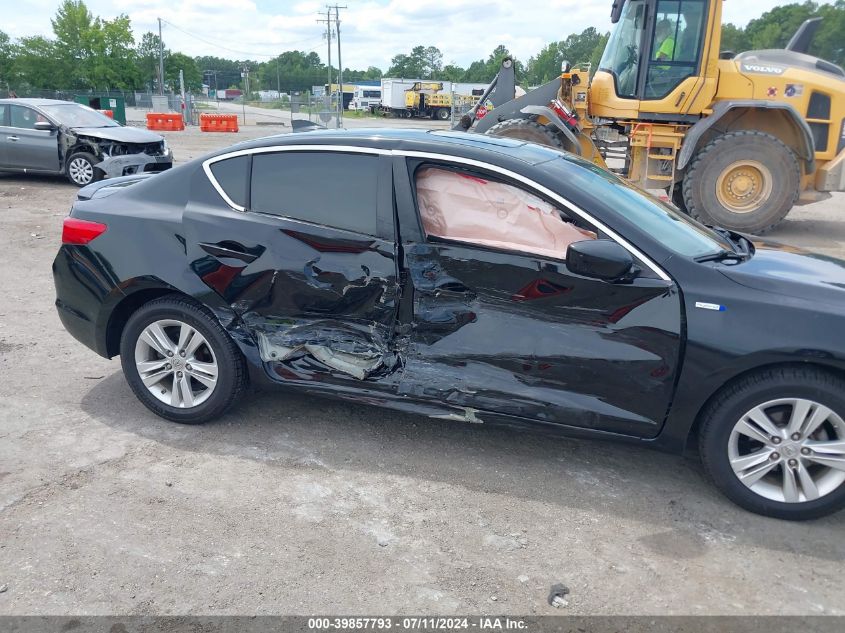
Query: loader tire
column 525, row 130
column 745, row 181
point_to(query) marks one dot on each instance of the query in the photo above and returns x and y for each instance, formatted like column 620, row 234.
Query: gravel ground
column 299, row 505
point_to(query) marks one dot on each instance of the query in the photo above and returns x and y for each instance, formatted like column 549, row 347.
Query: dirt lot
column 301, row 505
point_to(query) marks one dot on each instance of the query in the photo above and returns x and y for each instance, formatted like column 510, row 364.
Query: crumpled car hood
column 120, row 134
column 793, row 272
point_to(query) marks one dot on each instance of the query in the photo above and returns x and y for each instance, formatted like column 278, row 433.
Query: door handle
column 232, row 250
column 12, row 138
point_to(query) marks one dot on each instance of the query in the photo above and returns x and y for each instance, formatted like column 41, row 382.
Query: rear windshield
column 78, row 115
column 676, row 231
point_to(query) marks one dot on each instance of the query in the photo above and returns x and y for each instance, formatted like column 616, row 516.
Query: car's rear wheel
column 179, row 361
column 775, row 443
column 81, row 169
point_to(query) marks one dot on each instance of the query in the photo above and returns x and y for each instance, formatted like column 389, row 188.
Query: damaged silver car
column 60, row 137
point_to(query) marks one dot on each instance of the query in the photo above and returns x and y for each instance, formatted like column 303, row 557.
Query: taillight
column 76, row 231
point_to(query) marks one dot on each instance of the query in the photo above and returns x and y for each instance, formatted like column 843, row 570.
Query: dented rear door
column 320, row 300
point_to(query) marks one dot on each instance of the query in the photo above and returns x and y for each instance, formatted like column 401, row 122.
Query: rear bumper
column 82, row 289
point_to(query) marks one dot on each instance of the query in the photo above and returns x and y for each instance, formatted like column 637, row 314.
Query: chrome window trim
column 347, row 149
column 439, row 157
column 550, row 194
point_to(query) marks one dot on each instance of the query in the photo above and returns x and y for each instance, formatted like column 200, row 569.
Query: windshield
column 78, row 115
column 674, row 230
column 621, row 55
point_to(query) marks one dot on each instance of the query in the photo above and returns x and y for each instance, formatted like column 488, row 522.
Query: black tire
column 678, row 198
column 728, row 407
column 443, row 114
column 721, row 157
column 75, row 175
column 527, row 130
column 232, row 374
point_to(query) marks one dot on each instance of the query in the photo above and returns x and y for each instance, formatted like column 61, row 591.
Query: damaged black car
column 469, row 278
column 60, row 137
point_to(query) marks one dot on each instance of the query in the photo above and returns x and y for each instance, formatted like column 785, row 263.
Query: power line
column 233, row 50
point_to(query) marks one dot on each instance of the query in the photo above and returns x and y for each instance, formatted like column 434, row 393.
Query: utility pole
column 328, row 21
column 245, row 75
column 185, row 115
column 339, row 65
column 160, row 61
column 213, row 72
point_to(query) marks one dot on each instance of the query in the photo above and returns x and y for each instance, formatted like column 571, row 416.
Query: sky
column 372, row 31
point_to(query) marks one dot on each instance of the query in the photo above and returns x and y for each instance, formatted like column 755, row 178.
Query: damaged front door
column 302, row 246
column 500, row 325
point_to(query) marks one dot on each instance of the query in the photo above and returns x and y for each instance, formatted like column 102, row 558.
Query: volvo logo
column 765, row 70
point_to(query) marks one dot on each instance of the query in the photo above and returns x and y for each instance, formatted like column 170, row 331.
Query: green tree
column 146, row 60
column 576, row 49
column 774, row 28
column 423, row 62
column 453, row 72
column 829, row 43
column 294, row 71
column 734, row 39
column 598, row 51
column 37, row 64
column 7, row 57
column 483, row 71
column 112, row 56
column 402, row 65
column 188, row 65
column 73, row 27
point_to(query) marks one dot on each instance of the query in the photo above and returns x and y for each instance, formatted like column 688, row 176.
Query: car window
column 468, row 207
column 232, row 176
column 24, row 117
column 674, row 230
column 78, row 115
column 3, row 109
column 334, row 189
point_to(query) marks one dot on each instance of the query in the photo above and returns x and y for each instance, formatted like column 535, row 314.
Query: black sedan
column 470, row 278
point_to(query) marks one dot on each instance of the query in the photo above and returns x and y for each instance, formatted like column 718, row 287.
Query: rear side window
column 333, row 189
column 233, row 177
column 3, row 109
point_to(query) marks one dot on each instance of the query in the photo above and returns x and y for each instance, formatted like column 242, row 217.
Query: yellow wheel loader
column 735, row 140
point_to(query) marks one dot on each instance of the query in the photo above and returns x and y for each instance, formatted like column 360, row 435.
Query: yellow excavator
column 736, row 140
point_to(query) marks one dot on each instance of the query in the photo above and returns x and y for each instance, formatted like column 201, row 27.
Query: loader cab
column 656, row 56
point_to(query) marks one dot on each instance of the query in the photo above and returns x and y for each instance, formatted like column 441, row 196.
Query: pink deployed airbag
column 467, row 208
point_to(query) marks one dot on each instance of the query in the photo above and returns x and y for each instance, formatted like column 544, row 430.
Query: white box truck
column 393, row 96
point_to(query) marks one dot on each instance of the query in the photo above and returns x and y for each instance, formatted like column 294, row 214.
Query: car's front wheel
column 179, row 361
column 774, row 443
column 81, row 169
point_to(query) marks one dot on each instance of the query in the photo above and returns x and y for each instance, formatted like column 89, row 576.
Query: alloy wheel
column 790, row 450
column 80, row 171
column 176, row 363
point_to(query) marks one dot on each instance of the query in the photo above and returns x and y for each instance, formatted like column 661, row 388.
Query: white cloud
column 372, row 31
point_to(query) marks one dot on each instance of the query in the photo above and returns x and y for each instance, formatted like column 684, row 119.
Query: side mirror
column 600, row 259
column 44, row 126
